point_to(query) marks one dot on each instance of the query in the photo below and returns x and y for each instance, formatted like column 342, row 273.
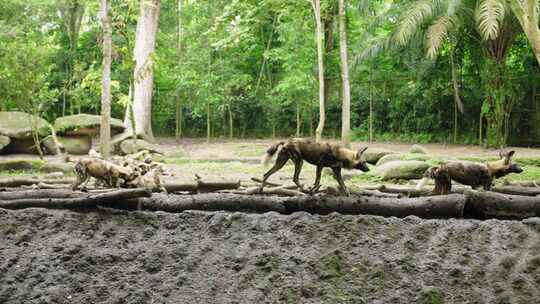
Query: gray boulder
column 392, row 157
column 19, row 125
column 84, row 124
column 78, row 145
column 418, row 149
column 401, row 169
column 372, row 155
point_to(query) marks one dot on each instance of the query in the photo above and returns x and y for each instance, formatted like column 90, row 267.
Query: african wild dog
column 322, row 155
column 469, row 173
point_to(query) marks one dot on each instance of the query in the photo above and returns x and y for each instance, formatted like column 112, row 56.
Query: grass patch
column 431, row 295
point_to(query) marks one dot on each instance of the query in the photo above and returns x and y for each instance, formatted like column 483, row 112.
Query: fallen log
column 89, row 200
column 486, row 204
column 201, row 186
column 48, row 193
column 517, row 190
column 22, row 181
column 442, row 206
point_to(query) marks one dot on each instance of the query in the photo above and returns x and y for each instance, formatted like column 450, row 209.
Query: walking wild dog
column 469, row 173
column 321, row 155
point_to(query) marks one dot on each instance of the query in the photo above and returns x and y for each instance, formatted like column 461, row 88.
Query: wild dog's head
column 360, row 162
column 504, row 165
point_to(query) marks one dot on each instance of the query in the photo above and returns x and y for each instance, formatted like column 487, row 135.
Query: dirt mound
column 194, row 257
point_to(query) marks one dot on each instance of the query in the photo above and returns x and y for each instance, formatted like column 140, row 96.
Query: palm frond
column 413, row 18
column 436, row 34
column 375, row 48
column 489, row 17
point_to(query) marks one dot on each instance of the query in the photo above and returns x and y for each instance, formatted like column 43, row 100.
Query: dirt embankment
column 51, row 256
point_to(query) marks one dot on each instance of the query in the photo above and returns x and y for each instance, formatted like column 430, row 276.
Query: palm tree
column 490, row 23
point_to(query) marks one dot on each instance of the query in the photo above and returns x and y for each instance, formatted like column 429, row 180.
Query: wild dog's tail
column 267, row 157
column 427, row 175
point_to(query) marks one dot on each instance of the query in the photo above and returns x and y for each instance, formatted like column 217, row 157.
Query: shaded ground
column 104, row 257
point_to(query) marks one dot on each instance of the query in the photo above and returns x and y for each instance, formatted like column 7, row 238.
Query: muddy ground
column 108, row 256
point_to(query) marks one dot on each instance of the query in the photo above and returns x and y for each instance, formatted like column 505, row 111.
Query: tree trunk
column 178, row 133
column 105, row 128
column 178, row 129
column 208, row 122
column 346, row 106
column 458, row 104
column 371, row 102
column 298, row 110
column 316, row 4
column 145, row 42
column 231, row 131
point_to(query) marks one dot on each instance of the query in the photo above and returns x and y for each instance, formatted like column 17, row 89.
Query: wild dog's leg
column 298, row 162
column 81, row 175
column 487, row 187
column 317, row 179
column 339, row 178
column 281, row 160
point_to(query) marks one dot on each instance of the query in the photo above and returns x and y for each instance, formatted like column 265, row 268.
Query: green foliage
column 254, row 62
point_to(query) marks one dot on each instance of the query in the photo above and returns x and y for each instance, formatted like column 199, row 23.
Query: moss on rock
column 19, row 125
column 77, row 145
column 372, row 155
column 84, row 124
column 406, row 169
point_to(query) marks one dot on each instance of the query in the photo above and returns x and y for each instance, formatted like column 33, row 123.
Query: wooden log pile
column 504, row 202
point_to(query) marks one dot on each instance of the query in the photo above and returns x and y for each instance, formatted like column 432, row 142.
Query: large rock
column 392, row 157
column 129, row 146
column 21, row 146
column 20, row 164
column 401, row 169
column 19, row 125
column 4, row 141
column 84, row 124
column 372, row 155
column 418, row 149
column 77, row 145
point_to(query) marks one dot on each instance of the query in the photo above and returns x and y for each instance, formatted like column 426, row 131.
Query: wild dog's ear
column 502, row 154
column 360, row 152
column 509, row 157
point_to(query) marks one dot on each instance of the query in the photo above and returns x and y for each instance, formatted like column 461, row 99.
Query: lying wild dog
column 469, row 173
column 102, row 170
column 319, row 154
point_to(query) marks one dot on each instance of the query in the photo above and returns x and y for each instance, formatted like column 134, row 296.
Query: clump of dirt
column 106, row 256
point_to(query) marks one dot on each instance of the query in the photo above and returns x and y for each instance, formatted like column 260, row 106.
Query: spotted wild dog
column 322, row 155
column 469, row 173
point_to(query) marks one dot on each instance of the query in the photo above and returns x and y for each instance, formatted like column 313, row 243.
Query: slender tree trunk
column 346, row 107
column 316, row 4
column 178, row 132
column 298, row 109
column 145, row 42
column 231, row 131
column 208, row 122
column 178, row 129
column 371, row 103
column 105, row 129
column 458, row 104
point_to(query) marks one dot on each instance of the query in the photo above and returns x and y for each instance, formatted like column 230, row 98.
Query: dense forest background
column 248, row 68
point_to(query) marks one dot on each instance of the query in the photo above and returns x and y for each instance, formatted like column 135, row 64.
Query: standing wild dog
column 319, row 154
column 469, row 173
